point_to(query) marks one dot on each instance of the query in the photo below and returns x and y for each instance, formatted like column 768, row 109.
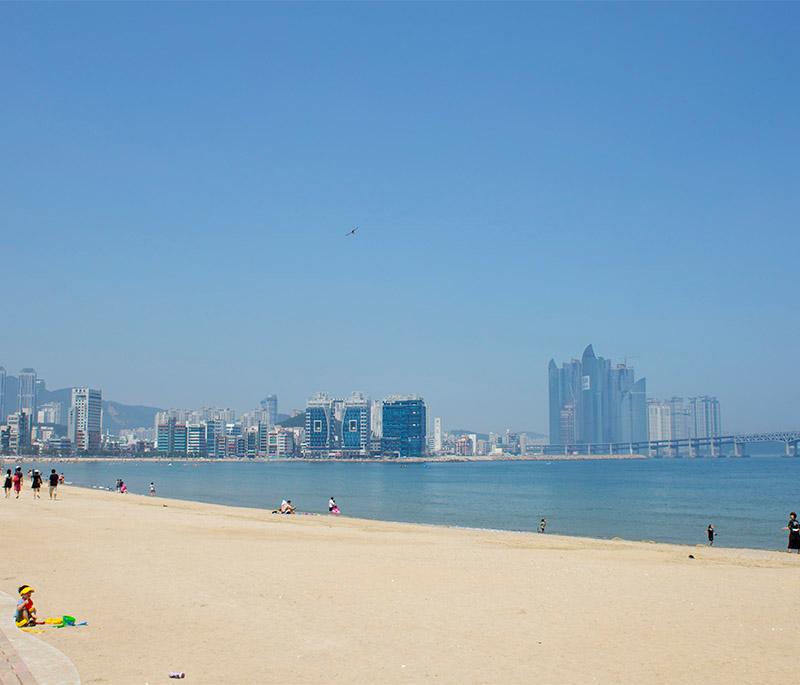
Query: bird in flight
column 353, row 232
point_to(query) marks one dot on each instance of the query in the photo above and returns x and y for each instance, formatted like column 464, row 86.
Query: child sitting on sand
column 26, row 612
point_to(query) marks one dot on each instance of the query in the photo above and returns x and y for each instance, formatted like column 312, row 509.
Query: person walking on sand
column 7, row 485
column 36, row 484
column 542, row 525
column 711, row 533
column 53, row 484
column 16, row 481
column 152, row 489
column 794, row 532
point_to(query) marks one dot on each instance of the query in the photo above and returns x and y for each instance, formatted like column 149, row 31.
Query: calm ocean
column 668, row 500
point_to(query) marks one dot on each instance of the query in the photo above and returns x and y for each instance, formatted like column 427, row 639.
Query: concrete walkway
column 26, row 660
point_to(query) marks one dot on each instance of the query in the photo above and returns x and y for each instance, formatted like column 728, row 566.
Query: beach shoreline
column 237, row 595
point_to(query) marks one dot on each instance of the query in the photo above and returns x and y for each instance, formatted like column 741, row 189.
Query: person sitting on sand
column 122, row 487
column 26, row 612
column 287, row 507
column 333, row 508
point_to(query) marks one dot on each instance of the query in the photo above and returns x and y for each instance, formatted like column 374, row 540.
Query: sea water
column 667, row 500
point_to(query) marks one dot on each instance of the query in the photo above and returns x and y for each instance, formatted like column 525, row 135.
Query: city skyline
column 525, row 177
column 269, row 404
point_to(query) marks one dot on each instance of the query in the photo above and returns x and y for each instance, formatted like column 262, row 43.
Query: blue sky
column 177, row 179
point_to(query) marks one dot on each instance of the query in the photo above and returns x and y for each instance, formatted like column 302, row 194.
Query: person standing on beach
column 794, row 532
column 53, row 484
column 711, row 533
column 152, row 489
column 36, row 484
column 542, row 525
column 7, row 484
column 16, row 481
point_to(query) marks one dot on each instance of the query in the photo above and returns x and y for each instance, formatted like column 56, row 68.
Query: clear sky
column 176, row 181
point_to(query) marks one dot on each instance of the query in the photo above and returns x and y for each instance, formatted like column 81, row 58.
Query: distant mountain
column 116, row 415
column 298, row 421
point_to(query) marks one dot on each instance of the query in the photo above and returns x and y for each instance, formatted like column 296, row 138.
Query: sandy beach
column 232, row 595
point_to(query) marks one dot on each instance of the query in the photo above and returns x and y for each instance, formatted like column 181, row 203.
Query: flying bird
column 353, row 232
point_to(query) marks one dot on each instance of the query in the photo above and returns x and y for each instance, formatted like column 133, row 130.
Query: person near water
column 152, row 489
column 122, row 487
column 542, row 525
column 793, row 526
column 333, row 508
column 36, row 484
column 7, row 484
column 711, row 533
column 26, row 612
column 53, row 484
column 16, row 481
column 287, row 507
column 60, row 478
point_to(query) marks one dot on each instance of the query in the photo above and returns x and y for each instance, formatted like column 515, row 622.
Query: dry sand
column 244, row 596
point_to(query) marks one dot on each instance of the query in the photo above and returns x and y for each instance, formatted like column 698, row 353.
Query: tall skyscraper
column 2, row 395
column 404, row 426
column 437, row 434
column 593, row 402
column 356, row 424
column 19, row 428
column 321, row 434
column 26, row 399
column 85, row 419
column 270, row 405
column 659, row 420
column 704, row 417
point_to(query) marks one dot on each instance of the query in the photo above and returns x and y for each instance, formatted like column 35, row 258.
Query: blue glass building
column 320, row 425
column 356, row 425
column 404, row 426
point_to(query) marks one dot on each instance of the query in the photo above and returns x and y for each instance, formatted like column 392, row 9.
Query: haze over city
column 527, row 179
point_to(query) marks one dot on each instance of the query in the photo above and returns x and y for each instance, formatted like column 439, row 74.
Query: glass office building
column 404, row 426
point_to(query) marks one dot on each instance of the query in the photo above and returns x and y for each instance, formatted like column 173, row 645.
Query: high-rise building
column 19, row 432
column 437, row 434
column 85, row 419
column 280, row 442
column 270, row 405
column 2, row 395
column 214, row 429
column 321, row 430
column 659, row 415
column 356, row 425
column 678, row 418
column 26, row 393
column 404, row 426
column 704, row 417
column 196, row 440
column 593, row 402
column 49, row 412
column 171, row 434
